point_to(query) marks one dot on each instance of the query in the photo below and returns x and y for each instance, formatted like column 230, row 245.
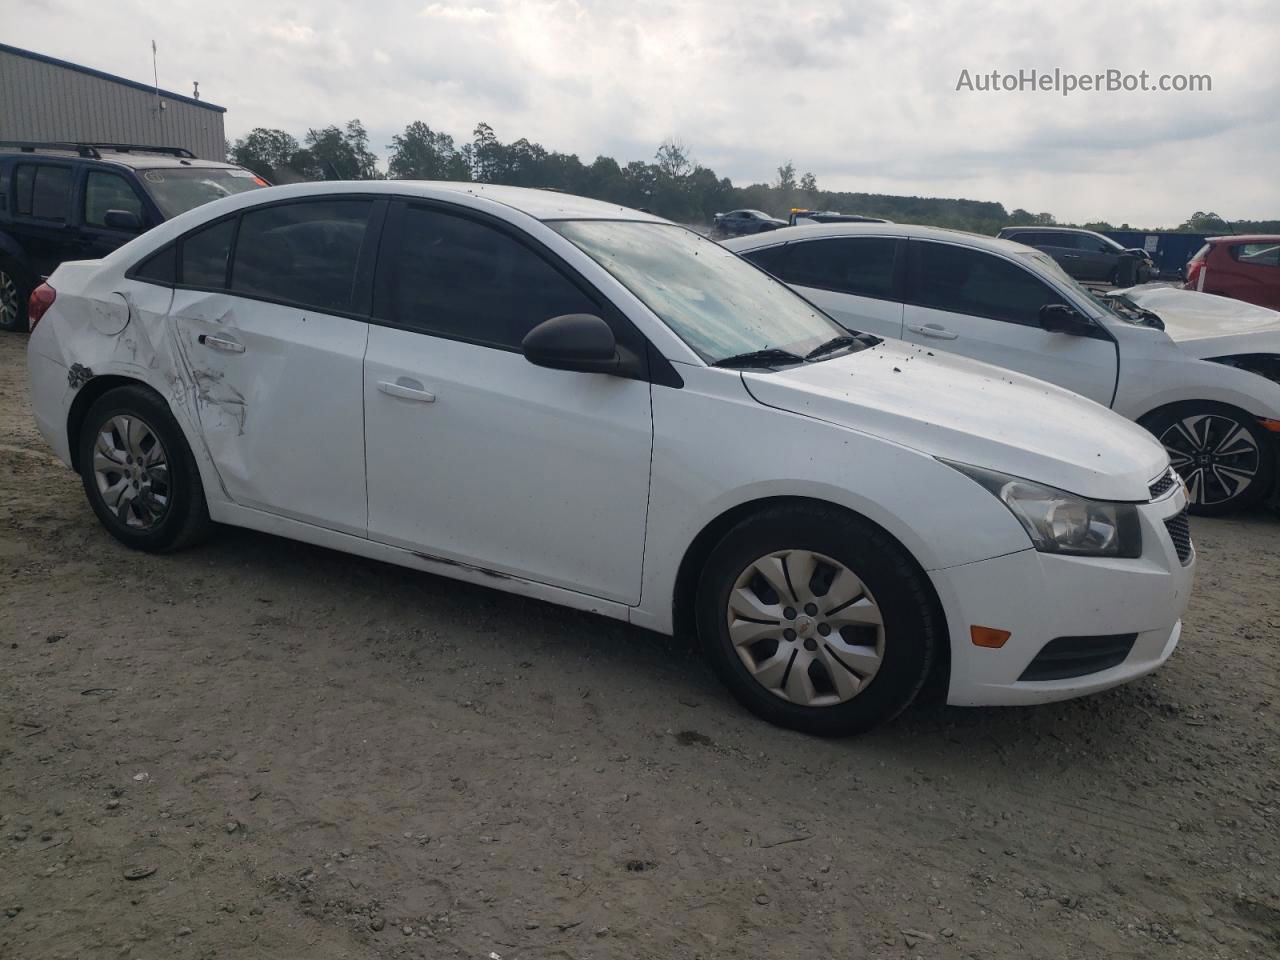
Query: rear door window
column 863, row 266
column 964, row 280
column 304, row 253
column 43, row 191
column 770, row 259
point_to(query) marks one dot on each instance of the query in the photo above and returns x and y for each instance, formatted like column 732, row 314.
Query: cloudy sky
column 861, row 92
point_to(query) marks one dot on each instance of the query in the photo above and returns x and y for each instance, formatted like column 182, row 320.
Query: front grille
column 1163, row 484
column 1067, row 657
column 1180, row 532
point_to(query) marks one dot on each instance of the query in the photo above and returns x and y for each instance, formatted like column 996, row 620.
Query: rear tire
column 139, row 474
column 805, row 655
column 13, row 298
column 1227, row 460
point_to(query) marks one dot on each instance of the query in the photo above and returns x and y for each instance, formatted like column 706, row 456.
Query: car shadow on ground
column 618, row 660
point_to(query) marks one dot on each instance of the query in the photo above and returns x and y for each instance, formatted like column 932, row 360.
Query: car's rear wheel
column 1225, row 458
column 138, row 472
column 13, row 299
column 817, row 620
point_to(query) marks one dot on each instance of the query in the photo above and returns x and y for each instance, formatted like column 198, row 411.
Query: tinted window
column 161, row 267
column 107, row 191
column 1258, row 254
column 963, row 280
column 304, row 253
column 770, row 258
column 457, row 278
column 44, row 191
column 858, row 265
column 204, row 255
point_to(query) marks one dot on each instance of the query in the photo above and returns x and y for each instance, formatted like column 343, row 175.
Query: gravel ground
column 262, row 749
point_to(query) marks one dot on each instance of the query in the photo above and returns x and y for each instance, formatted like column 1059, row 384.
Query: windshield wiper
column 835, row 343
column 770, row 356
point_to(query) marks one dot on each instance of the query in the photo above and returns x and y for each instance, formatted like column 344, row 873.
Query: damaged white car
column 586, row 404
column 1201, row 373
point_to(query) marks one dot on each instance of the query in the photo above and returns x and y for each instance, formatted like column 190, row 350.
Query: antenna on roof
column 196, row 92
column 155, row 71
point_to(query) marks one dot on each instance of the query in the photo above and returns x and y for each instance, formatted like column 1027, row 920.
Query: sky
column 863, row 93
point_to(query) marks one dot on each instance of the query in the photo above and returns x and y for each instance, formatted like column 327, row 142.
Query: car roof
column 1092, row 233
column 538, row 203
column 1247, row 238
column 136, row 160
column 916, row 231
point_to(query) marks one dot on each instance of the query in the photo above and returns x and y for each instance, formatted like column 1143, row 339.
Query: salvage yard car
column 574, row 401
column 1244, row 268
column 76, row 201
column 1086, row 255
column 1206, row 387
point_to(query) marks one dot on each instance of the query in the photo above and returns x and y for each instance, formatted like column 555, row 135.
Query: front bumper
column 1040, row 597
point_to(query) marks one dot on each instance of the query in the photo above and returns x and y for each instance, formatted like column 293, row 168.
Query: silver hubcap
column 8, row 300
column 132, row 471
column 1216, row 456
column 806, row 628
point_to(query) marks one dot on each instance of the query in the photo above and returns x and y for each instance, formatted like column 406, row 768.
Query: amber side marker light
column 988, row 637
column 1272, row 425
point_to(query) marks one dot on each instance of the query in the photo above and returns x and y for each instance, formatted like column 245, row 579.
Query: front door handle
column 406, row 389
column 934, row 330
column 226, row 344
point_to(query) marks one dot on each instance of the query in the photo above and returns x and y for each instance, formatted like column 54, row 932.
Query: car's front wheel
column 138, row 472
column 1225, row 458
column 817, row 620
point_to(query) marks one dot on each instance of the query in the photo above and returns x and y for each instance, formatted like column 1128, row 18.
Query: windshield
column 716, row 302
column 179, row 189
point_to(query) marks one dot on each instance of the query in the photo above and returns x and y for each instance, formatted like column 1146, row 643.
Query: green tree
column 420, row 153
column 674, row 159
column 809, row 183
column 341, row 154
column 488, row 157
column 268, row 152
column 786, row 178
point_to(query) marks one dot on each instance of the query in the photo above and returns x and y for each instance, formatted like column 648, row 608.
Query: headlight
column 1061, row 522
column 1263, row 364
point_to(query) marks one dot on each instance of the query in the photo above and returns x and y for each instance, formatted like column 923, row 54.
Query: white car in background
column 1199, row 372
column 574, row 401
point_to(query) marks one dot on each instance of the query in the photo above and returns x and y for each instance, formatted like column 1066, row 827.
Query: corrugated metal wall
column 42, row 101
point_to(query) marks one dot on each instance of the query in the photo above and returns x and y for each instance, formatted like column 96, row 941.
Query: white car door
column 854, row 280
column 276, row 358
column 475, row 455
column 972, row 302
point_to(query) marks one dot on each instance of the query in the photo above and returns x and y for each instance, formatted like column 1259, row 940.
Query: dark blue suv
column 79, row 201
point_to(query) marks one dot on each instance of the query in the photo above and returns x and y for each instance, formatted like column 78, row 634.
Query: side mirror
column 123, row 220
column 575, row 341
column 1060, row 318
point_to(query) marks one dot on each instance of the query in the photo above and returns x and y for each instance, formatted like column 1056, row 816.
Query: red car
column 1245, row 268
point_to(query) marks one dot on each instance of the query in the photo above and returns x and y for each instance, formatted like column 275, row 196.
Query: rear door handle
column 225, row 344
column 406, row 389
column 934, row 330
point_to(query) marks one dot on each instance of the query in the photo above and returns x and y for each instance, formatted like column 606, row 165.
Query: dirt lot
column 262, row 749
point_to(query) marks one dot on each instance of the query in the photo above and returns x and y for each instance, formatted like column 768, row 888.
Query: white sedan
column 1199, row 372
column 583, row 403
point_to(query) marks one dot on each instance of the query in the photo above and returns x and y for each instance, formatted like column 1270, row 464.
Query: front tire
column 138, row 472
column 817, row 620
column 1226, row 459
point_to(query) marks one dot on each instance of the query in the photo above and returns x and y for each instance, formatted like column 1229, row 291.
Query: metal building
column 43, row 98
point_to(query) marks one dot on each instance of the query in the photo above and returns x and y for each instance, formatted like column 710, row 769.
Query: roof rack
column 92, row 150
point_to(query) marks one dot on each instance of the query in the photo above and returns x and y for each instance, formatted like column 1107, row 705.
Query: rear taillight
column 42, row 298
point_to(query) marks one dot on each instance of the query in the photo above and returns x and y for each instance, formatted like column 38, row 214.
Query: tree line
column 673, row 184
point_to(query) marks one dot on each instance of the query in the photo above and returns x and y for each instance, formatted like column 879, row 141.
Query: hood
column 1207, row 325
column 971, row 412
